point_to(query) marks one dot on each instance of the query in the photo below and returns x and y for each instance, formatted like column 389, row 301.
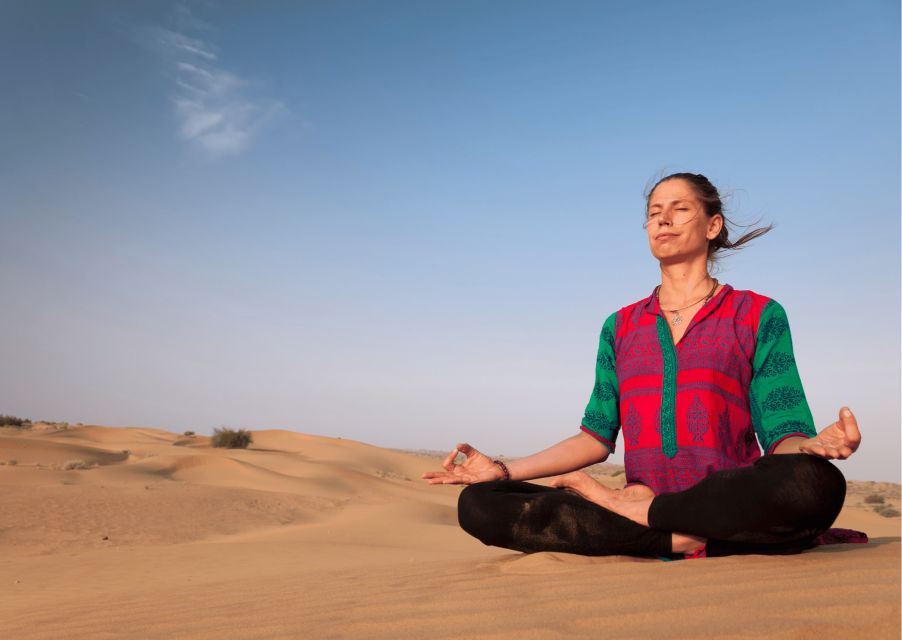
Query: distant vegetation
column 231, row 438
column 76, row 464
column 188, row 433
column 874, row 498
column 887, row 511
column 13, row 421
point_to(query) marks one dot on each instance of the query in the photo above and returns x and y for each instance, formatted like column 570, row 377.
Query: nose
column 665, row 219
column 661, row 218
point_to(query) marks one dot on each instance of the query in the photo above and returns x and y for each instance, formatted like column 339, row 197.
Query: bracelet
column 507, row 474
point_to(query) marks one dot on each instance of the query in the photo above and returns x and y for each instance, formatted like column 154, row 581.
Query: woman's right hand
column 478, row 467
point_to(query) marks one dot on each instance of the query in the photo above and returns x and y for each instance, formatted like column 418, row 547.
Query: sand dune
column 305, row 536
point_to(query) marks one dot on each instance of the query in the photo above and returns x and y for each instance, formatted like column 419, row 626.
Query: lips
column 663, row 236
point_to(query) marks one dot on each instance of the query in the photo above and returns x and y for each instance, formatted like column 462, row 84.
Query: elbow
column 600, row 448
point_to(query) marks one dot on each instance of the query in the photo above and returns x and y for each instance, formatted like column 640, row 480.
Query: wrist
column 789, row 444
column 502, row 470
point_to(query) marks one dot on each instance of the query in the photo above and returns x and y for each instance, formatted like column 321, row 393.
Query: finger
column 467, row 450
column 839, row 423
column 834, row 452
column 813, row 449
column 449, row 460
column 831, row 432
column 850, row 426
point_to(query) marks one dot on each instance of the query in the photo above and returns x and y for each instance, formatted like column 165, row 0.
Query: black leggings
column 778, row 505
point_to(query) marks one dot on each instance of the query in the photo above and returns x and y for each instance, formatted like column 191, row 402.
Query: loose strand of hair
column 727, row 245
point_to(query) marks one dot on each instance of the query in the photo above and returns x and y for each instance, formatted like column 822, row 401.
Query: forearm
column 790, row 445
column 568, row 455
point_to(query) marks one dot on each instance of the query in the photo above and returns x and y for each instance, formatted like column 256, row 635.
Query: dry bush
column 887, row 511
column 231, row 438
column 76, row 464
column 874, row 498
column 13, row 421
column 188, row 433
column 383, row 473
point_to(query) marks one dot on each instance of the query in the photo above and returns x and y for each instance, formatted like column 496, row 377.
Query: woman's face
column 677, row 225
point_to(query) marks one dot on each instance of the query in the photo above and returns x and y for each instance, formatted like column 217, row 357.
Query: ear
column 715, row 224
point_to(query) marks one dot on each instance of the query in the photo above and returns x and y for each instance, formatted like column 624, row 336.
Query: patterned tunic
column 690, row 409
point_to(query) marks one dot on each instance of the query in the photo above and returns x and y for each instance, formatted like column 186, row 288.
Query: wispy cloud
column 217, row 110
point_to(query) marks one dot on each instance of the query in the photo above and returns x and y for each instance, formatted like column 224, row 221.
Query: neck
column 684, row 282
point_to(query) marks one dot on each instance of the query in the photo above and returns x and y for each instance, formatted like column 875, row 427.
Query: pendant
column 677, row 319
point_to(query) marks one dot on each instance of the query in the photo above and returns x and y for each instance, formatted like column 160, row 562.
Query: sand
column 303, row 536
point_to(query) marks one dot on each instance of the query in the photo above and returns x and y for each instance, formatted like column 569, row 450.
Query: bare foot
column 585, row 486
column 684, row 543
column 632, row 502
column 633, row 506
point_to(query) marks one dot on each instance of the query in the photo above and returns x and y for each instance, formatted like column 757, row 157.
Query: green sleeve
column 776, row 398
column 602, row 417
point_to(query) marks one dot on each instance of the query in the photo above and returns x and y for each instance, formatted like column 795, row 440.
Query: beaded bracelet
column 507, row 474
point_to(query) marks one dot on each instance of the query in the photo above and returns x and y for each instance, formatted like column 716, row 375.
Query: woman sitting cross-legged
column 692, row 376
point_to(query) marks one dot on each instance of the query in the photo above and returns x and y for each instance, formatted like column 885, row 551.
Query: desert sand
column 304, row 536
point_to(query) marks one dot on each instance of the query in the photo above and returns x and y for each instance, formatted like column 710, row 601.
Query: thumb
column 844, row 415
column 848, row 424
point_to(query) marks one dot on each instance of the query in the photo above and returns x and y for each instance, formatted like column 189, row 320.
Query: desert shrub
column 188, row 433
column 874, row 498
column 887, row 511
column 384, row 473
column 231, row 438
column 13, row 421
column 76, row 464
column 12, row 463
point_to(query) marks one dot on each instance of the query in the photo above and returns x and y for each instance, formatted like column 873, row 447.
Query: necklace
column 677, row 319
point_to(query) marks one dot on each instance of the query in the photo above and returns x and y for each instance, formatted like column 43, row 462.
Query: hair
column 711, row 200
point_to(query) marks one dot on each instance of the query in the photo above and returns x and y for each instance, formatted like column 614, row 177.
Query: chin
column 672, row 258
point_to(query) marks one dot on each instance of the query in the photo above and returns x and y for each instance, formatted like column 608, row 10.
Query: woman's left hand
column 838, row 441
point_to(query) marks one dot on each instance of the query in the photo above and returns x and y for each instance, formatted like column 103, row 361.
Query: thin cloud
column 216, row 109
column 191, row 46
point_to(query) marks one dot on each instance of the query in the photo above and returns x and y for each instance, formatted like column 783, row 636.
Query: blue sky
column 404, row 222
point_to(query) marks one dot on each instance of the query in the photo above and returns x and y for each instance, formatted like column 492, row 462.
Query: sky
column 404, row 223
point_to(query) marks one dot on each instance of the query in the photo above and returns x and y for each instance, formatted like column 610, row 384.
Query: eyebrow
column 671, row 202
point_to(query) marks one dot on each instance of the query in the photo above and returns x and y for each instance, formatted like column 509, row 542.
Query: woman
column 693, row 374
